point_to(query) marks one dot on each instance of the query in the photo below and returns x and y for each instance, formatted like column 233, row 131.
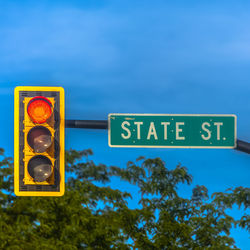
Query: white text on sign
column 206, row 130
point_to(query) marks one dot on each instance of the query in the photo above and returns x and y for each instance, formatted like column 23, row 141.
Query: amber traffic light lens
column 39, row 109
column 40, row 168
column 39, row 138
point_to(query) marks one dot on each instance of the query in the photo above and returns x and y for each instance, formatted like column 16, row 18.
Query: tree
column 92, row 215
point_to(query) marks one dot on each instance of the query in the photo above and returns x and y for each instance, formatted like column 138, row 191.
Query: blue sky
column 135, row 57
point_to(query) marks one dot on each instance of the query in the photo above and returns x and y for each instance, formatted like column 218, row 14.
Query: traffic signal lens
column 39, row 139
column 39, row 109
column 40, row 168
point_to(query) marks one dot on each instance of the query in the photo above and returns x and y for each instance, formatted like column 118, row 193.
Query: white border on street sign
column 155, row 146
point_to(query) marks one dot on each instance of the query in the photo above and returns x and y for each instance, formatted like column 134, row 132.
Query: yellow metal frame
column 61, row 142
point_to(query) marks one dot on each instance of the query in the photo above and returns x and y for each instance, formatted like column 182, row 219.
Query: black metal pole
column 103, row 124
column 100, row 124
column 243, row 146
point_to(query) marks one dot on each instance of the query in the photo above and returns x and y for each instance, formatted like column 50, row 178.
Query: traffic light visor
column 39, row 109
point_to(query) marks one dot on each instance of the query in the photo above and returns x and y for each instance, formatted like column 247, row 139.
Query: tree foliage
column 93, row 215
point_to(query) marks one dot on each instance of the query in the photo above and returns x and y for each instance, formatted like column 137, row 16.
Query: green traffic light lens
column 40, row 168
column 39, row 138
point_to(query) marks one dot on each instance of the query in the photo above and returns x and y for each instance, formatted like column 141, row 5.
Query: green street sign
column 172, row 131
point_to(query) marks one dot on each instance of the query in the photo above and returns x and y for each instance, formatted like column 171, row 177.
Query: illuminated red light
column 39, row 109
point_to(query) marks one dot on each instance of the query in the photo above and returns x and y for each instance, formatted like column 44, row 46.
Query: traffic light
column 39, row 141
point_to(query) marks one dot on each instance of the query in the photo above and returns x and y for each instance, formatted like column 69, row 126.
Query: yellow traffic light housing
column 39, row 141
